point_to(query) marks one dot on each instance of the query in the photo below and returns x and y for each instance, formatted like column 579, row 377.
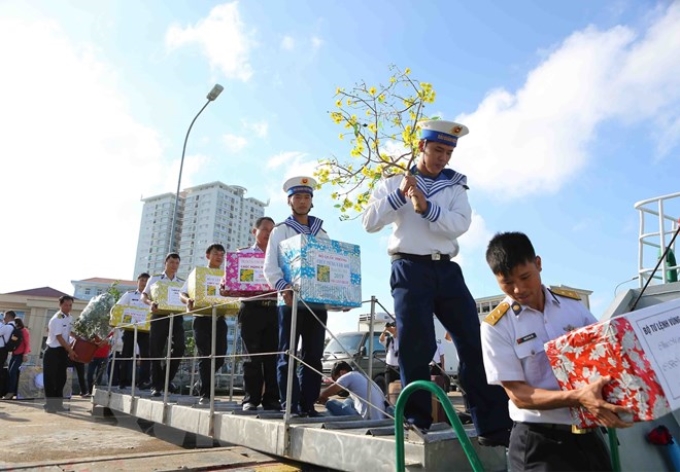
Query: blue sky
column 573, row 110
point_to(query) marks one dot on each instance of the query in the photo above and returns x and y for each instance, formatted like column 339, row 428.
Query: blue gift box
column 328, row 272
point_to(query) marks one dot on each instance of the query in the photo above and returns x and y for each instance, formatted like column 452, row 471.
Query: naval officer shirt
column 155, row 279
column 513, row 349
column 447, row 217
column 132, row 298
column 59, row 325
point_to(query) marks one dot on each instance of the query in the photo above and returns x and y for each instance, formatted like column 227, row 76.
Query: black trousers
column 127, row 356
column 260, row 334
column 55, row 363
column 203, row 337
column 4, row 379
column 539, row 448
column 306, row 381
column 158, row 337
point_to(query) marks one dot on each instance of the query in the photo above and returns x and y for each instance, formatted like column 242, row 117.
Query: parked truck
column 354, row 348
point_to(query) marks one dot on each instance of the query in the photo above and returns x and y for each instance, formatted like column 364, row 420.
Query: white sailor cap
column 440, row 131
column 299, row 185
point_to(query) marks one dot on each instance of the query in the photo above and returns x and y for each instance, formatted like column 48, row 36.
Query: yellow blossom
column 372, row 91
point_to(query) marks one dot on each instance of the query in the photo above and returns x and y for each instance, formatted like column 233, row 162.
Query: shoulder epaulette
column 498, row 313
column 279, row 224
column 131, row 291
column 243, row 248
column 566, row 293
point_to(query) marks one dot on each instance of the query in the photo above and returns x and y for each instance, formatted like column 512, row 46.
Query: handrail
column 465, row 442
column 614, row 449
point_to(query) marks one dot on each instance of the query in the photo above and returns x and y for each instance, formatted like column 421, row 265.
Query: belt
column 261, row 302
column 555, row 427
column 435, row 256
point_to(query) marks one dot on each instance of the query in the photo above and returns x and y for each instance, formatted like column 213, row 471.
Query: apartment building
column 207, row 213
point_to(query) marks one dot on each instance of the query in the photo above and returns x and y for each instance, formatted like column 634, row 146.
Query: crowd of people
column 512, row 395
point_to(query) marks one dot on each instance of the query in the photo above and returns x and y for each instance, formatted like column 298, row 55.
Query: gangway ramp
column 341, row 443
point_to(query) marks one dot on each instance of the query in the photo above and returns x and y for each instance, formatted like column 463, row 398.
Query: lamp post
column 212, row 95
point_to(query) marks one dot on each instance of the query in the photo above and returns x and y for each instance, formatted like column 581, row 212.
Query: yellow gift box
column 126, row 316
column 166, row 294
column 204, row 288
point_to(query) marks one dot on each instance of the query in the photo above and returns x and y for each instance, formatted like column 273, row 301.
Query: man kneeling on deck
column 357, row 386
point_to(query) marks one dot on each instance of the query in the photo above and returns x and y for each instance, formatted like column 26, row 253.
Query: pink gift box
column 244, row 276
column 608, row 348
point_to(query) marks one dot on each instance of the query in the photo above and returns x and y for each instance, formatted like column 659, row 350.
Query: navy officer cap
column 440, row 131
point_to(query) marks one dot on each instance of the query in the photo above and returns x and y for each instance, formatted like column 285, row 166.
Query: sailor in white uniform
column 428, row 209
column 300, row 191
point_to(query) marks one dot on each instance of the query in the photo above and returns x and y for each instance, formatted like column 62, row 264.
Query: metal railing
column 654, row 211
column 457, row 426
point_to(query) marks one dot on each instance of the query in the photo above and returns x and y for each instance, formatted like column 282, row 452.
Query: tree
column 381, row 124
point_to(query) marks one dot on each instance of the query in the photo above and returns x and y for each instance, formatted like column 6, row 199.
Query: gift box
column 126, row 316
column 327, row 272
column 638, row 350
column 166, row 295
column 244, row 276
column 204, row 287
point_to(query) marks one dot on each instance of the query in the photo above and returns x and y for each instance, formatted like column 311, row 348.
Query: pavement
column 87, row 439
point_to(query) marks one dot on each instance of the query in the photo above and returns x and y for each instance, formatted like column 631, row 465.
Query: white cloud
column 234, row 143
column 222, row 38
column 75, row 162
column 536, row 139
column 474, row 241
column 288, row 43
column 284, row 158
column 316, row 43
column 260, row 128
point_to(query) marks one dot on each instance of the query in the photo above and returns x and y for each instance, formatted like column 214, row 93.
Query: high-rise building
column 207, row 213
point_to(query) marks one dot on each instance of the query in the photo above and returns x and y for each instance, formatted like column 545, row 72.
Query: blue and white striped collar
column 446, row 178
column 313, row 228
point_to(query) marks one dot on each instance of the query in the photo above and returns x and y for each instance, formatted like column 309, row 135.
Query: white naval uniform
column 448, row 215
column 131, row 298
column 513, row 349
column 156, row 278
column 60, row 323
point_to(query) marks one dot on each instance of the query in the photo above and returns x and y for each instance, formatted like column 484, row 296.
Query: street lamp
column 212, row 95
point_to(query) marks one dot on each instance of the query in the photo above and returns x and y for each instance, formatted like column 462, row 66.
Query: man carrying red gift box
column 544, row 436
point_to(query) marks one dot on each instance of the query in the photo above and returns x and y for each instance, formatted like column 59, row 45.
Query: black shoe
column 204, row 401
column 156, row 393
column 496, row 438
column 464, row 418
column 50, row 410
column 272, row 407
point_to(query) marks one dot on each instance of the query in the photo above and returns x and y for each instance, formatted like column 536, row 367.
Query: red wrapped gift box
column 608, row 348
